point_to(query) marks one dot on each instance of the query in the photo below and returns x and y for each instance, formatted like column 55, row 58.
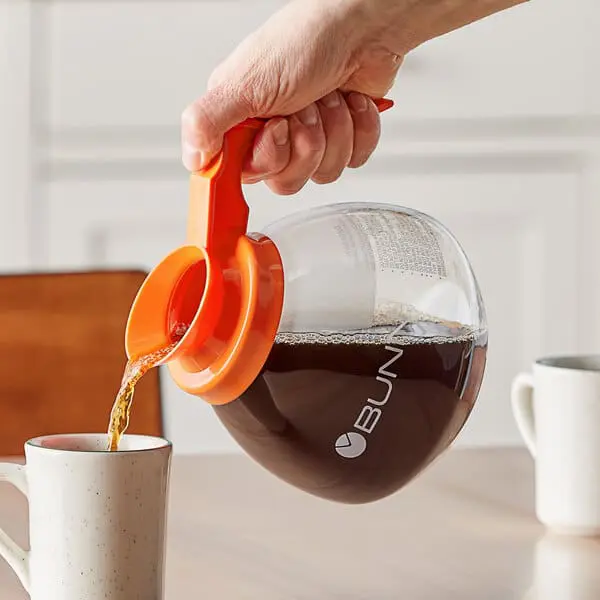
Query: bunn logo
column 351, row 444
column 354, row 443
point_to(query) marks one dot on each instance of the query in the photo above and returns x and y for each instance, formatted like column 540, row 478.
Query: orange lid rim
column 246, row 349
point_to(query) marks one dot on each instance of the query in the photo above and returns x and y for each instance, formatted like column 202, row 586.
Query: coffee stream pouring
column 343, row 348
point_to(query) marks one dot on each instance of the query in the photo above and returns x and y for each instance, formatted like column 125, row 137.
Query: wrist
column 402, row 25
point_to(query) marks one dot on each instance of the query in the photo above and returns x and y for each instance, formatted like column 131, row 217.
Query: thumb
column 205, row 122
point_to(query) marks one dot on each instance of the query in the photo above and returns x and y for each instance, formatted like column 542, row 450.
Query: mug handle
column 15, row 556
column 522, row 407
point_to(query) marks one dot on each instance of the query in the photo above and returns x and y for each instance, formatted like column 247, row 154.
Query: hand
column 317, row 63
column 311, row 69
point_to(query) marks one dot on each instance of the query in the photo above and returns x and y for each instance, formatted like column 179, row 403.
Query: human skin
column 312, row 70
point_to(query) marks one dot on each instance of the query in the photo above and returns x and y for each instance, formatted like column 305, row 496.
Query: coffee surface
column 353, row 417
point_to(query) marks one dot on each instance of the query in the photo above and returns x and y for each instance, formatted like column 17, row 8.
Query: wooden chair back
column 62, row 356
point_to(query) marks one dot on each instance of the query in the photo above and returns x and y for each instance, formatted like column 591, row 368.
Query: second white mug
column 557, row 410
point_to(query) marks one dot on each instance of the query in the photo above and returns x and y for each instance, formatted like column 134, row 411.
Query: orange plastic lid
column 216, row 301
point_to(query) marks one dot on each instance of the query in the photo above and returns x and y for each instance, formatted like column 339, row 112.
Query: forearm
column 402, row 25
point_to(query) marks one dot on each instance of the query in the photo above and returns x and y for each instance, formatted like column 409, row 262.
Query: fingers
column 307, row 145
column 318, row 143
column 367, row 128
column 339, row 134
column 271, row 152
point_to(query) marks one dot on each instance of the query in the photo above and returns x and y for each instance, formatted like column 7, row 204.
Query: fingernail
column 309, row 115
column 332, row 100
column 281, row 133
column 357, row 102
column 193, row 159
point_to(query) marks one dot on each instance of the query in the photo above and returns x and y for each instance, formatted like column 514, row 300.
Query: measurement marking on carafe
column 353, row 443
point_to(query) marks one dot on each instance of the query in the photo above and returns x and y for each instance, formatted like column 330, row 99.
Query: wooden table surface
column 464, row 530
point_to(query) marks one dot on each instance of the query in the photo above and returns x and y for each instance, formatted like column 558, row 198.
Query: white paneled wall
column 496, row 132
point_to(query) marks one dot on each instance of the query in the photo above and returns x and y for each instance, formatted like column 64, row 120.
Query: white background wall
column 496, row 132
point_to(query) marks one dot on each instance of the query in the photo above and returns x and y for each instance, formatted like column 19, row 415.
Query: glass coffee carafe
column 342, row 348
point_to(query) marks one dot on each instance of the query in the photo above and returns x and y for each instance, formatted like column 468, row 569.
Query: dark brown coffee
column 352, row 418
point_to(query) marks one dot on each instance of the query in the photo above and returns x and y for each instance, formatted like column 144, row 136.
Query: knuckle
column 269, row 160
column 324, row 177
column 189, row 117
column 218, row 76
column 196, row 122
column 285, row 188
column 309, row 160
column 364, row 147
column 313, row 145
column 369, row 126
column 267, row 154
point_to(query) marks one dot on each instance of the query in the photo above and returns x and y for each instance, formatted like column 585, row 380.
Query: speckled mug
column 97, row 519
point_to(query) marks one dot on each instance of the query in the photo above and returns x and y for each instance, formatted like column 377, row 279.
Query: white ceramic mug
column 557, row 410
column 97, row 519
